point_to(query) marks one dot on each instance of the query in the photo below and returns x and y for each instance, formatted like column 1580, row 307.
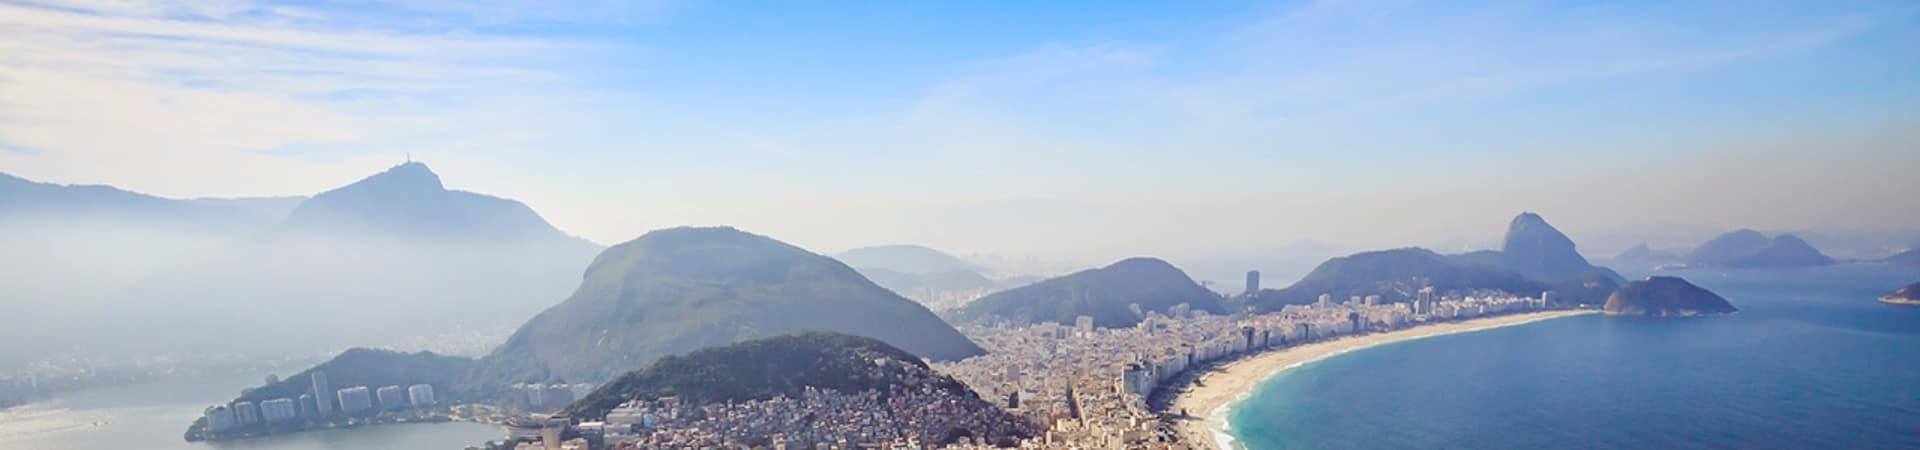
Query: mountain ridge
column 1105, row 294
column 679, row 289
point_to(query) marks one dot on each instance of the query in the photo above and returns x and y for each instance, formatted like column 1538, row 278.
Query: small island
column 1665, row 297
column 1908, row 296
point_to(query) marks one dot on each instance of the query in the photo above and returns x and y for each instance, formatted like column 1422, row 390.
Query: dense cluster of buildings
column 921, row 416
column 1089, row 387
column 1068, row 386
column 322, row 404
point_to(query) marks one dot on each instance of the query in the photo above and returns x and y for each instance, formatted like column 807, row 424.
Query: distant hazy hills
column 1643, row 256
column 1749, row 249
column 676, row 290
column 1536, row 258
column 22, row 200
column 1117, row 295
column 913, row 259
column 409, row 202
column 1910, row 257
column 1395, row 275
column 931, row 277
column 67, row 248
column 395, row 255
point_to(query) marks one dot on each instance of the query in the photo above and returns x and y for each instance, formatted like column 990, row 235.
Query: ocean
column 1810, row 361
column 154, row 416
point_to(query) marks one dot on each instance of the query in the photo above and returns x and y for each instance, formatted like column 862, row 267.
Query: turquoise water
column 1811, row 361
column 155, row 415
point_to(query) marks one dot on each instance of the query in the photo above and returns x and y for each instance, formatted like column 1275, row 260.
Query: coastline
column 1213, row 393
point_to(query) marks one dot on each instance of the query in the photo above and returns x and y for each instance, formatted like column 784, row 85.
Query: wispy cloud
column 152, row 86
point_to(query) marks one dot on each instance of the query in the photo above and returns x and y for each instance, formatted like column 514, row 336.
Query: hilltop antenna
column 409, row 156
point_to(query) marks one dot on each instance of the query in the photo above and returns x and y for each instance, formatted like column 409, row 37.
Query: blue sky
column 1082, row 128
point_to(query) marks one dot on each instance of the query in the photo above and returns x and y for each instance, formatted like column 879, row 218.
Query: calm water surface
column 1811, row 361
column 155, row 415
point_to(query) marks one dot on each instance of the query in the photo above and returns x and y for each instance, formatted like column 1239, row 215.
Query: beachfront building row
column 1090, row 387
column 345, row 402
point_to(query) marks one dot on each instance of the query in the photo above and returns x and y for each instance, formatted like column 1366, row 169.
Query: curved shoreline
column 1219, row 389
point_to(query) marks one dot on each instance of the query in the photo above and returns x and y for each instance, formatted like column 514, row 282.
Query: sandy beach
column 1208, row 397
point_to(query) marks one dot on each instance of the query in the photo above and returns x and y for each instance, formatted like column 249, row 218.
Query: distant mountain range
column 1911, row 257
column 1747, row 248
column 408, row 202
column 1643, row 256
column 26, row 201
column 914, row 259
column 1532, row 247
column 933, row 278
column 1118, row 295
column 395, row 255
column 676, row 290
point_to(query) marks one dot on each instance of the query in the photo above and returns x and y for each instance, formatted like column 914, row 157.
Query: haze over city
column 623, row 225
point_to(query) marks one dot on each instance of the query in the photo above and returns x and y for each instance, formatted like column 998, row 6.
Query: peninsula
column 1665, row 297
column 1908, row 296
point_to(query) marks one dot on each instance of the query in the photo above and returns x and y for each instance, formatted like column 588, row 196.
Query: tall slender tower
column 322, row 394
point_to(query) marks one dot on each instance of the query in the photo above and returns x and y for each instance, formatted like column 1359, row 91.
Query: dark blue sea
column 1811, row 361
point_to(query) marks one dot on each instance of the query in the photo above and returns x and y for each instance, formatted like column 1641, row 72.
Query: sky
column 1093, row 129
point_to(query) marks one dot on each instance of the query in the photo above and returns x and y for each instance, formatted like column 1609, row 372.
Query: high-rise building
column 420, row 395
column 391, row 397
column 355, row 400
column 1325, row 300
column 245, row 413
column 1083, row 324
column 219, row 418
column 278, row 410
column 1136, row 379
column 323, row 394
column 1253, row 282
column 307, row 406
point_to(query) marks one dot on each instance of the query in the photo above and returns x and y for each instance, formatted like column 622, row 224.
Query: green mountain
column 1106, row 294
column 677, row 290
column 1665, row 297
column 1395, row 275
column 765, row 368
